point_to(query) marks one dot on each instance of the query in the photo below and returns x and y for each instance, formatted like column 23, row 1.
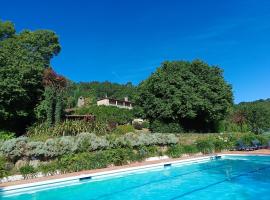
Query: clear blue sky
column 126, row 40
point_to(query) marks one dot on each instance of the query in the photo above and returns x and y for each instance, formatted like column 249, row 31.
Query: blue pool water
column 232, row 177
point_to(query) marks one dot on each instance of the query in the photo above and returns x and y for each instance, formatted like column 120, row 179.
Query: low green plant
column 205, row 145
column 71, row 127
column 248, row 138
column 94, row 160
column 28, row 171
column 145, row 124
column 39, row 129
column 147, row 151
column 66, row 128
column 120, row 156
column 219, row 144
column 264, row 139
column 122, row 129
column 163, row 127
column 175, row 151
column 6, row 135
column 40, row 137
column 3, row 170
column 190, row 149
column 48, row 169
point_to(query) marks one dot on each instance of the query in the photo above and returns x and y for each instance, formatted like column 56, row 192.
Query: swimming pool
column 230, row 177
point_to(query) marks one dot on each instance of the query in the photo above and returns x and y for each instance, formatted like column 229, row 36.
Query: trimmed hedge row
column 22, row 147
column 88, row 151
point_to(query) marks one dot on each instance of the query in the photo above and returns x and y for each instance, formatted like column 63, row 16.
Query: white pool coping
column 110, row 173
column 41, row 185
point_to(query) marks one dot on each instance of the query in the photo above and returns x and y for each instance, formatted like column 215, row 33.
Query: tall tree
column 193, row 94
column 23, row 58
column 257, row 115
column 54, row 96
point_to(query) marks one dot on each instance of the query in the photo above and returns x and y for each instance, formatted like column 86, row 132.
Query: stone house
column 125, row 103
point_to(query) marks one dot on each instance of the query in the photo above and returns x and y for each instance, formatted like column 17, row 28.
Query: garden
column 31, row 156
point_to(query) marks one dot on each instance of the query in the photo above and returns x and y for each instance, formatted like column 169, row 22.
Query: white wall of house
column 106, row 102
column 81, row 102
column 103, row 102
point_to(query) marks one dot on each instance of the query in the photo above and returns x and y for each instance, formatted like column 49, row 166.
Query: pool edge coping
column 103, row 173
column 125, row 169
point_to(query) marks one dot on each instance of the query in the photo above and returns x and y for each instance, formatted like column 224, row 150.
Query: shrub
column 164, row 139
column 146, row 139
column 60, row 146
column 120, row 156
column 74, row 163
column 39, row 129
column 71, row 127
column 91, row 142
column 190, row 149
column 99, row 159
column 145, row 124
column 248, row 138
column 205, row 145
column 28, row 171
column 15, row 148
column 122, row 129
column 36, row 150
column 175, row 151
column 219, row 144
column 86, row 161
column 3, row 170
column 6, row 135
column 162, row 127
column 66, row 128
column 40, row 137
column 146, row 152
column 229, row 139
column 48, row 169
column 263, row 139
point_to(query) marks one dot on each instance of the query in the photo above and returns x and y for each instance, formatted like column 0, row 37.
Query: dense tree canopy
column 23, row 57
column 255, row 114
column 193, row 94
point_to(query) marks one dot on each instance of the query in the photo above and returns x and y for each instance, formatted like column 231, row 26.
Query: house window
column 111, row 101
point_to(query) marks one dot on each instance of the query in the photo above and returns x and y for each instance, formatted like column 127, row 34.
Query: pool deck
column 137, row 164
